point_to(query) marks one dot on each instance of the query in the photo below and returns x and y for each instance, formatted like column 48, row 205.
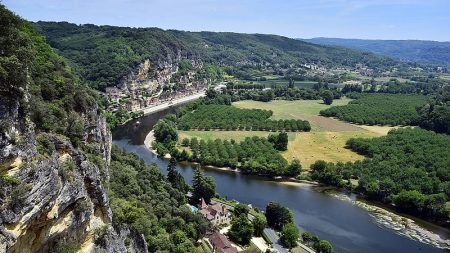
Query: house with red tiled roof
column 221, row 244
column 216, row 213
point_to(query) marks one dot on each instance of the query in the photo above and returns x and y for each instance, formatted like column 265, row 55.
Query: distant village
column 141, row 97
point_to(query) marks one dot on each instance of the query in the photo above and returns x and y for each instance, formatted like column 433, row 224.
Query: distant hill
column 104, row 54
column 421, row 51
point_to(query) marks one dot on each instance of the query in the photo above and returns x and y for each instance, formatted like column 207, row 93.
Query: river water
column 349, row 228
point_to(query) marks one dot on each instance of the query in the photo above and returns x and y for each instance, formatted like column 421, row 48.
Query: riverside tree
column 203, row 187
column 277, row 215
column 165, row 132
column 174, row 177
column 289, row 235
column 241, row 230
column 259, row 223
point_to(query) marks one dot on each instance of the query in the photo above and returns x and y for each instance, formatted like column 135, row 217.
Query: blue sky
column 367, row 19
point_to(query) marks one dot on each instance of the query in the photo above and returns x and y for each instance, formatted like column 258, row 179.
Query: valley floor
column 327, row 138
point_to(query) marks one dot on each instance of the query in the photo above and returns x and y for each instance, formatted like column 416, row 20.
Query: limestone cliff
column 52, row 189
column 155, row 75
column 52, row 195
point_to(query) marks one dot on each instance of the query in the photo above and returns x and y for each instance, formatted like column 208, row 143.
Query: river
column 348, row 227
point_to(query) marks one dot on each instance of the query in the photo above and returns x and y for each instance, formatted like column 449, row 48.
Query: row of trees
column 231, row 118
column 408, row 167
column 384, row 109
column 253, row 155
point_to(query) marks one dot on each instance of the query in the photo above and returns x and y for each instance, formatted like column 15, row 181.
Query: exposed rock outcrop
column 55, row 195
column 157, row 74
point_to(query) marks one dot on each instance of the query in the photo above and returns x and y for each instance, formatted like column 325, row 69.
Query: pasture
column 326, row 141
column 304, row 110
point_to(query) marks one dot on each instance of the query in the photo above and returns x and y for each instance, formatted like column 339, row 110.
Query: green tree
column 241, row 230
column 240, row 209
column 280, row 141
column 294, row 169
column 174, row 177
column 203, row 187
column 327, row 97
column 165, row 132
column 324, row 247
column 172, row 170
column 259, row 223
column 289, row 235
column 277, row 216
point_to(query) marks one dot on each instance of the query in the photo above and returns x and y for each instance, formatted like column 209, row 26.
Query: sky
column 365, row 19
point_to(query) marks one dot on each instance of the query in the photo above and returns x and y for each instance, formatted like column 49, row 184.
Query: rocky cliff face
column 52, row 194
column 157, row 74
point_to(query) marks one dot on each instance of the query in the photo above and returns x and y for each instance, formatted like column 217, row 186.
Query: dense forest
column 104, row 54
column 408, row 167
column 384, row 109
column 145, row 201
column 58, row 104
column 253, row 155
column 223, row 117
column 435, row 115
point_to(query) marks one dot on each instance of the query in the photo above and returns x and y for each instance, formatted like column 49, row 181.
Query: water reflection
column 347, row 227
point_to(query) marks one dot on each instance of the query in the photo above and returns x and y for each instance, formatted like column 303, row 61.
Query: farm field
column 308, row 147
column 445, row 77
column 326, row 141
column 327, row 146
column 305, row 110
column 283, row 109
column 274, row 80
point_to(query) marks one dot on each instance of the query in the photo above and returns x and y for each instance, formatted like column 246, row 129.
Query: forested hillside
column 421, row 51
column 104, row 54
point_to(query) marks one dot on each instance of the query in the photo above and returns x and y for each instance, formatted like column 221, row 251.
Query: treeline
column 233, row 86
column 282, row 92
column 103, row 55
column 384, row 109
column 142, row 199
column 223, row 117
column 253, row 155
column 417, row 85
column 409, row 168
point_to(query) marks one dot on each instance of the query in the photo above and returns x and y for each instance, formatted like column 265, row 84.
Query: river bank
column 400, row 224
column 149, row 138
column 403, row 225
column 178, row 101
column 349, row 227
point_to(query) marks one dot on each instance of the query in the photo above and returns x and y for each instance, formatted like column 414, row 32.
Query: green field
column 283, row 109
column 326, row 141
column 224, row 135
column 275, row 80
column 445, row 77
column 304, row 110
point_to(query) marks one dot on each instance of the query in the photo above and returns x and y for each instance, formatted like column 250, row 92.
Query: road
column 165, row 105
column 276, row 244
